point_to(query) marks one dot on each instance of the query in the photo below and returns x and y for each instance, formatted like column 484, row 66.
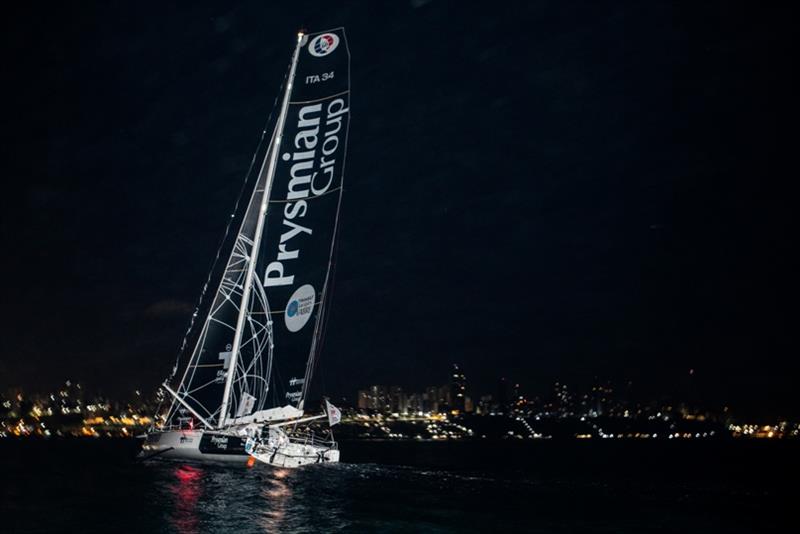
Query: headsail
column 203, row 381
column 303, row 210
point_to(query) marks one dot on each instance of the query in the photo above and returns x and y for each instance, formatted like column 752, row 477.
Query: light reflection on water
column 187, row 489
column 393, row 498
column 277, row 495
column 200, row 498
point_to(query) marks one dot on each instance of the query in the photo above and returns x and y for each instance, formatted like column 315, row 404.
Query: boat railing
column 310, row 438
column 179, row 426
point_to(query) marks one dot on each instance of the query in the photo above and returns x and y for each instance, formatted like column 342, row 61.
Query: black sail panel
column 203, row 382
column 303, row 209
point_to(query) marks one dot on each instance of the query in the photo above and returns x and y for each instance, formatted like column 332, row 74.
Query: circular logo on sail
column 300, row 308
column 324, row 44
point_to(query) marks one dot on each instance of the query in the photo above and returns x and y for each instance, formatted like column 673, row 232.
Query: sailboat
column 245, row 384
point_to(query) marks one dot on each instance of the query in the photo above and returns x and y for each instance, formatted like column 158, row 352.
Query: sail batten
column 321, row 99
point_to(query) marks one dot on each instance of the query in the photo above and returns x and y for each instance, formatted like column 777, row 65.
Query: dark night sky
column 541, row 190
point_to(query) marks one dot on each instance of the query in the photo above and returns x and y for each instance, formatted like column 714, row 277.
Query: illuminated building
column 458, row 389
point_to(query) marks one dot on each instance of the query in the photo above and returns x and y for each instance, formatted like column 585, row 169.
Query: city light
column 437, row 413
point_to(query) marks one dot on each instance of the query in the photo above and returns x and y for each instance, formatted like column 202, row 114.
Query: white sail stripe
column 320, row 99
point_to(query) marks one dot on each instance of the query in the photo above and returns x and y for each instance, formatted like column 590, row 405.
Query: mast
column 248, row 282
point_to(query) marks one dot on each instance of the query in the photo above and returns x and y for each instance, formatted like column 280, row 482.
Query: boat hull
column 295, row 455
column 196, row 445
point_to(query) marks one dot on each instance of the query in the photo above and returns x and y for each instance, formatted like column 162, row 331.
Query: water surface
column 97, row 486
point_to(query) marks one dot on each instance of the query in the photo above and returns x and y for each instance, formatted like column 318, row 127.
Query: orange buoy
column 251, row 461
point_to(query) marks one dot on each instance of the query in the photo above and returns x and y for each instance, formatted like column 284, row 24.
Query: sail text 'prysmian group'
column 305, row 180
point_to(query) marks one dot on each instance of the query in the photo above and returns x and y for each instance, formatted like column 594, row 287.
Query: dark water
column 96, row 486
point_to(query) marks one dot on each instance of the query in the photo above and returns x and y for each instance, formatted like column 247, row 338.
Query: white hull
column 285, row 450
column 196, row 445
column 295, row 455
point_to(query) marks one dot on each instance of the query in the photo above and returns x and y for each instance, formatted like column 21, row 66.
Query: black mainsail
column 303, row 211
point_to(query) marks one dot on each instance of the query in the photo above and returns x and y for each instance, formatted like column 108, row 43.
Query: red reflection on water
column 277, row 494
column 187, row 473
column 187, row 491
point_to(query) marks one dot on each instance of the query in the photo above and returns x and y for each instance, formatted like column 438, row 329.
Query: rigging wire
column 221, row 246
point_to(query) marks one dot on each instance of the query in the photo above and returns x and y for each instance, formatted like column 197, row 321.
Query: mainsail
column 303, row 211
column 284, row 291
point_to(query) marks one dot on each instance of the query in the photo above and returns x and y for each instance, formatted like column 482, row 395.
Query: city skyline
column 503, row 393
column 437, row 413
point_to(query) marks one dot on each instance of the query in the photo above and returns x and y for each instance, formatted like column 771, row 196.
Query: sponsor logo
column 324, row 44
column 294, row 382
column 313, row 171
column 220, row 441
column 300, row 307
column 226, row 362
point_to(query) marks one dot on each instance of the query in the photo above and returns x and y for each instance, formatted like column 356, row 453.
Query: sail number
column 316, row 78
